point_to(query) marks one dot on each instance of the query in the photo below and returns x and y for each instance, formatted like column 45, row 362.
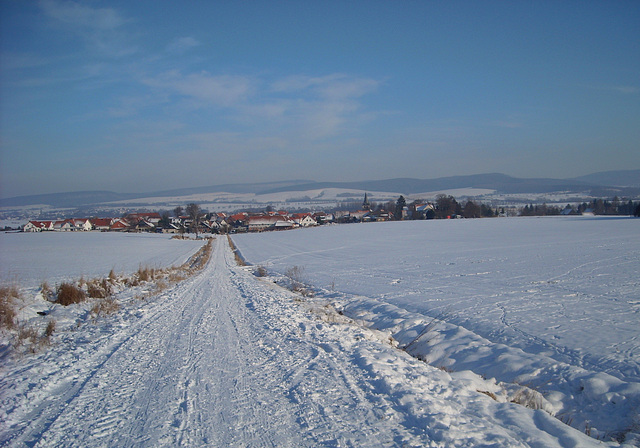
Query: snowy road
column 225, row 359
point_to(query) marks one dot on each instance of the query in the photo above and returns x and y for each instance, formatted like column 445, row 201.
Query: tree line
column 446, row 206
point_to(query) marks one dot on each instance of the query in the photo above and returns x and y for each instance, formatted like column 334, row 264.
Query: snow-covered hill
column 496, row 188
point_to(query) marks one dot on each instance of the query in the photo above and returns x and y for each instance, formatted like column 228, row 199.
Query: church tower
column 366, row 205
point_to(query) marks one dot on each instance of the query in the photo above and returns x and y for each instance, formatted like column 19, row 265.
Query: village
column 201, row 222
column 194, row 220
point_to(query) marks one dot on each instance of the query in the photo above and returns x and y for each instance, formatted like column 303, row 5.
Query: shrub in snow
column 99, row 289
column 297, row 283
column 105, row 306
column 68, row 293
column 51, row 327
column 7, row 311
column 46, row 291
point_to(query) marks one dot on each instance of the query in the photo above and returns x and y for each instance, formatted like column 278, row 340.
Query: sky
column 153, row 95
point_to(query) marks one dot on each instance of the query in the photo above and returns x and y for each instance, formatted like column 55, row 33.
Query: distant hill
column 626, row 178
column 83, row 198
column 610, row 183
column 64, row 200
column 499, row 182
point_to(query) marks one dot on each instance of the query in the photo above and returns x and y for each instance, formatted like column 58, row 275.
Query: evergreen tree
column 400, row 205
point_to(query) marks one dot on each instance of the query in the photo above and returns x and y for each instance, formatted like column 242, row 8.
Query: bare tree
column 195, row 213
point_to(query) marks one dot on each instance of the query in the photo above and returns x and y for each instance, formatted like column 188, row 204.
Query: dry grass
column 51, row 328
column 99, row 288
column 261, row 271
column 200, row 259
column 68, row 294
column 46, row 291
column 528, row 398
column 488, row 394
column 7, row 308
column 236, row 253
column 104, row 307
column 29, row 338
column 177, row 276
column 146, row 274
column 297, row 281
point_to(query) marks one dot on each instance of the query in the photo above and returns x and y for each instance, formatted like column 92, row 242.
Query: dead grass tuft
column 7, row 308
column 99, row 288
column 46, row 291
column 104, row 307
column 528, row 398
column 488, row 394
column 297, row 281
column 68, row 294
column 51, row 328
column 236, row 253
column 146, row 274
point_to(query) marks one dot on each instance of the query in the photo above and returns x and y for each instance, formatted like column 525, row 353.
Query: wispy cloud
column 335, row 86
column 102, row 29
column 18, row 61
column 316, row 107
column 205, row 88
column 76, row 14
column 324, row 106
column 620, row 89
column 627, row 90
column 182, row 44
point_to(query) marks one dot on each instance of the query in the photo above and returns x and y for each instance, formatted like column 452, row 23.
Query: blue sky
column 149, row 95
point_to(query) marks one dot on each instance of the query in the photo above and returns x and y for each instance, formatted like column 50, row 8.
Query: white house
column 64, row 226
column 37, row 226
column 82, row 224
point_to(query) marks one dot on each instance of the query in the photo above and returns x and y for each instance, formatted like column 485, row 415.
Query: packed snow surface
column 28, row 259
column 549, row 303
column 225, row 359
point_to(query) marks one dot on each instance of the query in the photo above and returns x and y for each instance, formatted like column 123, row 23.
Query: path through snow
column 225, row 359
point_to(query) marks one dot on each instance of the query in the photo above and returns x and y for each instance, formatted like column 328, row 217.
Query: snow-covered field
column 548, row 303
column 29, row 259
column 225, row 359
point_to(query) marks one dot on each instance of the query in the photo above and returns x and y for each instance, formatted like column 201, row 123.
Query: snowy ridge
column 226, row 359
column 596, row 402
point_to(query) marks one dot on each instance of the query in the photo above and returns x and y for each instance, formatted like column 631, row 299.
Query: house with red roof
column 304, row 219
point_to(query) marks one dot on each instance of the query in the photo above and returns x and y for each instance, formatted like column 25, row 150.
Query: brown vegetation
column 7, row 311
column 68, row 293
column 104, row 307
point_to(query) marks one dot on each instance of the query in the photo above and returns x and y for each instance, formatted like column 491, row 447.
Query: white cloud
column 182, row 44
column 627, row 90
column 77, row 14
column 207, row 89
column 335, row 86
column 297, row 108
column 101, row 28
column 18, row 61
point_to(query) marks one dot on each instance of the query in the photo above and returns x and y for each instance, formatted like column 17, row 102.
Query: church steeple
column 366, row 205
